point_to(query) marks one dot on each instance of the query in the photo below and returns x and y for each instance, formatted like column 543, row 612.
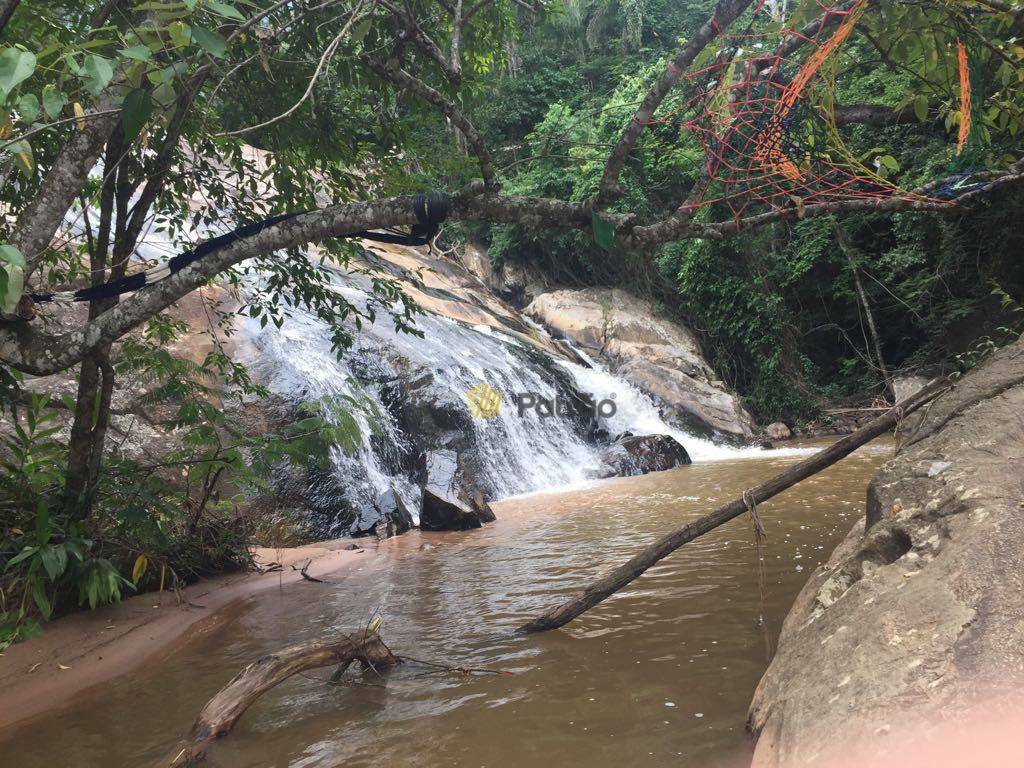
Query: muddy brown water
column 660, row 674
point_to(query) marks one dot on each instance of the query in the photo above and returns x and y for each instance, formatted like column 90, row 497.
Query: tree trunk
column 88, row 433
column 615, row 580
column 221, row 712
column 862, row 296
column 6, row 11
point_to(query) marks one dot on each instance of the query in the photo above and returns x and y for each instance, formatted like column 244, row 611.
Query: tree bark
column 615, row 580
column 221, row 712
column 6, row 11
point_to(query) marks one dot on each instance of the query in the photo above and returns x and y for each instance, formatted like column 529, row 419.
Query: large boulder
column 639, row 455
column 449, row 502
column 659, row 356
column 918, row 616
column 777, row 431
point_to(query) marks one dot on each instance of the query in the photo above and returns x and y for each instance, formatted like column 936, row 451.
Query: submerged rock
column 633, row 455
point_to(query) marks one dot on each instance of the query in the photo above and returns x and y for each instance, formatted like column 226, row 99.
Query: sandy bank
column 85, row 649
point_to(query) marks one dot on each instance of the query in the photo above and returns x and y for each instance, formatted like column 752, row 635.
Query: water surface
column 658, row 675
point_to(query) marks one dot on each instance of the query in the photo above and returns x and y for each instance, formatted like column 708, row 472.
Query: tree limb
column 726, row 12
column 873, row 114
column 613, row 581
column 42, row 217
column 414, row 32
column 474, row 137
column 223, row 711
column 6, row 11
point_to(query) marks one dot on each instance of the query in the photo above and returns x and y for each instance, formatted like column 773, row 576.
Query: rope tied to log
column 760, row 537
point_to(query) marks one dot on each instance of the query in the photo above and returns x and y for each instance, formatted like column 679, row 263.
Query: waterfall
column 419, row 384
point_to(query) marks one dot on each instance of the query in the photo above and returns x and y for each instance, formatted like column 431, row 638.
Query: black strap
column 430, row 210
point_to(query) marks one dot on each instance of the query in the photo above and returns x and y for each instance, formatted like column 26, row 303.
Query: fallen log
column 221, row 712
column 613, row 581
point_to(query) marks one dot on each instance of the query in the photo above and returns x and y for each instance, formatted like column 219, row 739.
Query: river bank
column 86, row 649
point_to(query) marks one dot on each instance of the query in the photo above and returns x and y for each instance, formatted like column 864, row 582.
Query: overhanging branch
column 726, row 12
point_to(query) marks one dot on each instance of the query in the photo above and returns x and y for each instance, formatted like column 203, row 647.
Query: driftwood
column 618, row 578
column 221, row 712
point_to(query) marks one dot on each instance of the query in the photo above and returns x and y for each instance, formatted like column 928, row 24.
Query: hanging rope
column 430, row 210
column 760, row 536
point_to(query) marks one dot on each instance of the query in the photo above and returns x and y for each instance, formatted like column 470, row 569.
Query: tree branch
column 873, row 114
column 726, row 12
column 475, row 138
column 614, row 580
column 6, row 11
column 423, row 41
column 28, row 349
column 42, row 217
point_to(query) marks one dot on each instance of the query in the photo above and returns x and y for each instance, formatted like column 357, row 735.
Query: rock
column 918, row 616
column 657, row 355
column 483, row 509
column 444, row 494
column 444, row 513
column 777, row 431
column 630, row 456
column 394, row 511
column 904, row 387
column 352, row 547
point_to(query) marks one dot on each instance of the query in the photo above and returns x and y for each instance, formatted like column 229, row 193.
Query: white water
column 514, row 454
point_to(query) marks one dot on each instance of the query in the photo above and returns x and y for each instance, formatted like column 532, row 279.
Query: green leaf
column 12, row 278
column 98, row 72
column 26, row 553
column 135, row 112
column 42, row 602
column 921, row 108
column 138, row 52
column 53, row 101
column 224, row 9
column 16, row 66
column 604, row 232
column 28, row 107
column 12, row 256
column 210, row 41
column 55, row 560
column 180, row 32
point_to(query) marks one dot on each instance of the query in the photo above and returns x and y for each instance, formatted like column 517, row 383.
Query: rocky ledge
column 658, row 356
column 917, row 619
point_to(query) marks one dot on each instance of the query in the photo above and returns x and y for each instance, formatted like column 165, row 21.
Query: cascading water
column 418, row 390
column 415, row 395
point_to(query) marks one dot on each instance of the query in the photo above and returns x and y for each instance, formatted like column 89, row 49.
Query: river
column 659, row 675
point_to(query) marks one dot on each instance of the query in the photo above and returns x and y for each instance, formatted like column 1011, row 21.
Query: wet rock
column 394, row 511
column 630, row 456
column 777, row 431
column 482, row 508
column 447, row 495
column 659, row 356
column 918, row 616
column 444, row 513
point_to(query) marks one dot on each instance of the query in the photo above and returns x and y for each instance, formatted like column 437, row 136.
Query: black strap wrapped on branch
column 430, row 210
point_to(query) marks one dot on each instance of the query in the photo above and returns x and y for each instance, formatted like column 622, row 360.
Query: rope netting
column 765, row 117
